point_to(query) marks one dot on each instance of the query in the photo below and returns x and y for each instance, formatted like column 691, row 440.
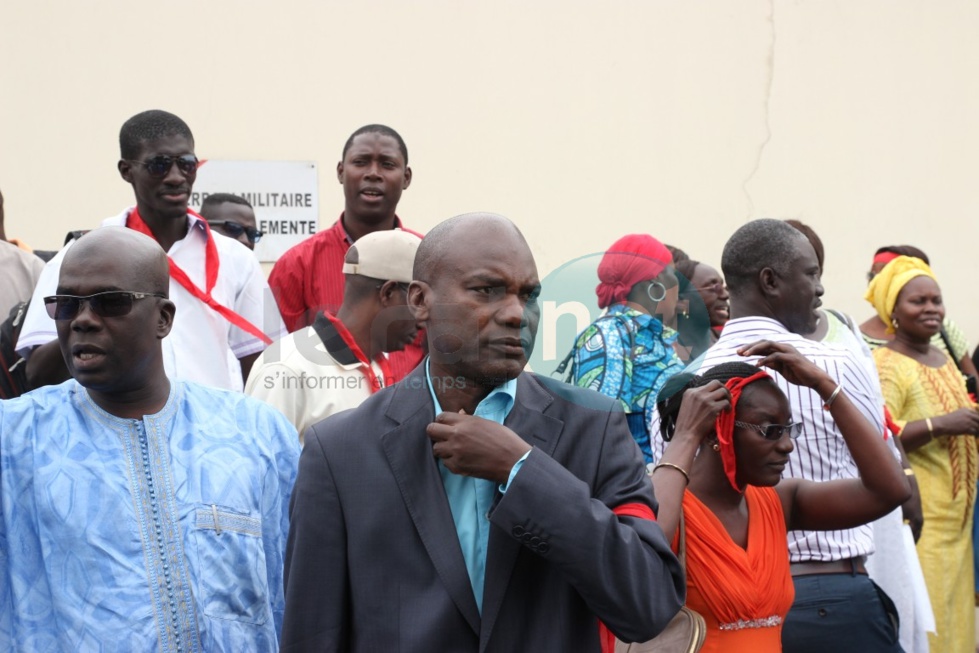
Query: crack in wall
column 766, row 111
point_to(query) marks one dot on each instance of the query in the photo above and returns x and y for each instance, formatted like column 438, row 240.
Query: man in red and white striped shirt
column 309, row 277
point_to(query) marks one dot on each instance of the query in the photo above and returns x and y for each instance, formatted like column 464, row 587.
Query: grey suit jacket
column 374, row 564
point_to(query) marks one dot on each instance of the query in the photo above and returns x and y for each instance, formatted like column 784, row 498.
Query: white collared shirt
column 202, row 346
column 303, row 381
column 820, row 453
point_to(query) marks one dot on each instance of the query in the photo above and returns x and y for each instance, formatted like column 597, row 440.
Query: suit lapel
column 539, row 430
column 409, row 452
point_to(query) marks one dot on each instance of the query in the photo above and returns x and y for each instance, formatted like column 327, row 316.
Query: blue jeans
column 840, row 613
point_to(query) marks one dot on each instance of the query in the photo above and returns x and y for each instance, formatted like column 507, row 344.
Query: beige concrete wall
column 580, row 120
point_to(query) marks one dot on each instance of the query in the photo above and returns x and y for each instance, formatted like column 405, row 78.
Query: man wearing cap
column 339, row 361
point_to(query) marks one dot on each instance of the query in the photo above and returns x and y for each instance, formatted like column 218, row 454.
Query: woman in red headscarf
column 627, row 353
column 730, row 434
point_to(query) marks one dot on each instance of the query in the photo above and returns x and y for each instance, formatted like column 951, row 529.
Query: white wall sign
column 283, row 194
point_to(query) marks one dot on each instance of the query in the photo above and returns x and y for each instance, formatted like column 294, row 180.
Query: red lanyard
column 365, row 365
column 211, row 264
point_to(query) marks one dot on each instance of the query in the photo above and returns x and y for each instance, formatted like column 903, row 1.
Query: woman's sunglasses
column 774, row 431
column 111, row 303
column 159, row 166
column 235, row 229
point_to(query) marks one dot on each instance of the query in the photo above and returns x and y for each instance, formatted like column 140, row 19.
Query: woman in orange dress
column 735, row 504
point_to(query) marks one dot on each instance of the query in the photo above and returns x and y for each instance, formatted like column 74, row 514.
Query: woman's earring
column 894, row 322
column 716, row 446
column 662, row 291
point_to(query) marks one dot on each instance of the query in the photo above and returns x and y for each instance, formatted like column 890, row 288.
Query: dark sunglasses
column 774, row 431
column 160, row 165
column 111, row 303
column 235, row 229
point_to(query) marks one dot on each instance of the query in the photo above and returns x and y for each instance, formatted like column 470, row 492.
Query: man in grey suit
column 472, row 506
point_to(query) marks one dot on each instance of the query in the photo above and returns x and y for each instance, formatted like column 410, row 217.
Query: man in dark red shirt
column 309, row 277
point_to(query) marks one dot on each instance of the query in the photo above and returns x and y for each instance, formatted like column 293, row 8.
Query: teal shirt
column 470, row 499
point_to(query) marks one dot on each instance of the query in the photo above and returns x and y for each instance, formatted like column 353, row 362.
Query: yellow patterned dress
column 946, row 469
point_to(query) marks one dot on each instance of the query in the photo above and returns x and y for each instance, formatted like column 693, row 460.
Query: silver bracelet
column 832, row 397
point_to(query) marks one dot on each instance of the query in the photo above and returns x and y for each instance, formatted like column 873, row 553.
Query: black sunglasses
column 774, row 431
column 235, row 229
column 111, row 303
column 160, row 165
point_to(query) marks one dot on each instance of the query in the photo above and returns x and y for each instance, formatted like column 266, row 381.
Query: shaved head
column 476, row 289
column 111, row 337
column 148, row 269
column 458, row 236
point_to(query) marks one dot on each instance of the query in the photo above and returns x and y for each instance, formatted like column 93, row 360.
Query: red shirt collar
column 346, row 235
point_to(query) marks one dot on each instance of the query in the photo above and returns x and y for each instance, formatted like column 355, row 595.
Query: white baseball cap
column 388, row 255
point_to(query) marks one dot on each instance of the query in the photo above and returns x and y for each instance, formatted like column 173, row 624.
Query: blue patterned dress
column 603, row 362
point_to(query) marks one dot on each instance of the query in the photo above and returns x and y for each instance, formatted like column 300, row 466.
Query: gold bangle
column 832, row 397
column 676, row 467
column 931, row 429
column 908, row 471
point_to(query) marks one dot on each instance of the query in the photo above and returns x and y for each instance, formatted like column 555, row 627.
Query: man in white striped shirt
column 774, row 280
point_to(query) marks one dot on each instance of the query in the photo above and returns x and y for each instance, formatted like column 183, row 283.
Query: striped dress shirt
column 820, row 453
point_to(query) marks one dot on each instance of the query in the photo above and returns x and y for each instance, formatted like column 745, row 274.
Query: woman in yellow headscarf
column 926, row 395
